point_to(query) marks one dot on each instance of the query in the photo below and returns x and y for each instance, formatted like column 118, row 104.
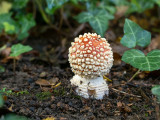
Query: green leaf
column 1, row 101
column 2, row 69
column 8, row 28
column 84, row 17
column 156, row 91
column 25, row 23
column 6, row 18
column 138, row 60
column 18, row 4
column 140, row 5
column 54, row 4
column 135, row 35
column 98, row 19
column 18, row 49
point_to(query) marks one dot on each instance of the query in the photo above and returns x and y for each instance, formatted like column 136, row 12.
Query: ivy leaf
column 135, row 35
column 156, row 91
column 53, row 5
column 140, row 5
column 138, row 60
column 18, row 4
column 18, row 49
column 1, row 101
column 6, row 18
column 98, row 19
column 25, row 23
column 2, row 69
column 8, row 28
column 5, row 7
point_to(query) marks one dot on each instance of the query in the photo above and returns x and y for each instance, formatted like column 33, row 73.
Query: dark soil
column 63, row 103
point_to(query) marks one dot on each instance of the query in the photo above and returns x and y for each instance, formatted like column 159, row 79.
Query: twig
column 134, row 75
column 125, row 93
column 157, row 109
column 144, row 95
column 79, row 29
column 61, row 18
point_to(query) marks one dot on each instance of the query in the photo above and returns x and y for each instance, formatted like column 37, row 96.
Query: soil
column 62, row 102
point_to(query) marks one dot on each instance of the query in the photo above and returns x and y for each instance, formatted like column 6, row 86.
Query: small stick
column 14, row 65
column 134, row 75
column 125, row 93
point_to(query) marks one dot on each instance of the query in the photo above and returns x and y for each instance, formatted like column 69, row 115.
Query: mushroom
column 90, row 57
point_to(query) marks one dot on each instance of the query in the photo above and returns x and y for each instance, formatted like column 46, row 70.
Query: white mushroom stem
column 90, row 88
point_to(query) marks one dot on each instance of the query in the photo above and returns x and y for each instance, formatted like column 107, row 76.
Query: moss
column 43, row 95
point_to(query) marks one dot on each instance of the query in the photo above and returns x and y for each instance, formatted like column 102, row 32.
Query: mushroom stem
column 90, row 88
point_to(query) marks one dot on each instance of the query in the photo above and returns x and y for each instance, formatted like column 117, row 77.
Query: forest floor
column 33, row 97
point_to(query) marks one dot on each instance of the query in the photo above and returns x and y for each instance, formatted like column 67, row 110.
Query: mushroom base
column 90, row 88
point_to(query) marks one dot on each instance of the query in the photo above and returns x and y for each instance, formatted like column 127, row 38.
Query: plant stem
column 14, row 65
column 45, row 17
column 61, row 19
column 134, row 75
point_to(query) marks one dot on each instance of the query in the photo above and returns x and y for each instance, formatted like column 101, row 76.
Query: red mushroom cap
column 90, row 56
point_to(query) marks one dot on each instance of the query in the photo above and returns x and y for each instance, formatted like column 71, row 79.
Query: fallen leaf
column 121, row 10
column 49, row 118
column 6, row 59
column 43, row 82
column 150, row 112
column 43, row 74
column 119, row 104
column 127, row 109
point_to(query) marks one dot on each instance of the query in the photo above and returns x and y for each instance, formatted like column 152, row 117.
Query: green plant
column 1, row 101
column 97, row 16
column 43, row 95
column 134, row 35
column 17, row 50
column 10, row 92
column 156, row 91
column 17, row 24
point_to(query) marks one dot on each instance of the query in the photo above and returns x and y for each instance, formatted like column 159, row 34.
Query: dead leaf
column 121, row 10
column 127, row 109
column 155, row 44
column 117, row 59
column 150, row 112
column 43, row 74
column 49, row 118
column 56, row 85
column 10, row 108
column 5, row 60
column 43, row 82
column 119, row 104
column 54, row 80
column 6, row 52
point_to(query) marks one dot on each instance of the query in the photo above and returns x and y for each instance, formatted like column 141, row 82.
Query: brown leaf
column 54, row 80
column 121, row 10
column 155, row 44
column 150, row 112
column 119, row 104
column 5, row 60
column 127, row 109
column 43, row 82
column 43, row 74
column 6, row 52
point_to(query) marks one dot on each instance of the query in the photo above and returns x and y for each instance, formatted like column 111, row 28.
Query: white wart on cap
column 90, row 56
